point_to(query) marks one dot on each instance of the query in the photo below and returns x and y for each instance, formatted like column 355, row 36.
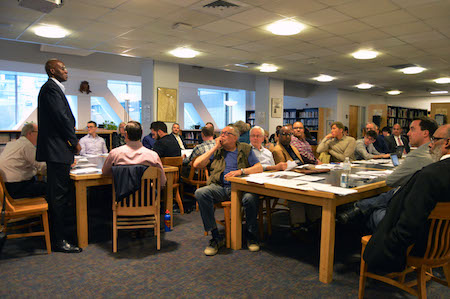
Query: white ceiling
column 403, row 31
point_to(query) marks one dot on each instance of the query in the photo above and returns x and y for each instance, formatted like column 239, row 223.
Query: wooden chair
column 177, row 162
column 141, row 209
column 437, row 254
column 197, row 182
column 25, row 209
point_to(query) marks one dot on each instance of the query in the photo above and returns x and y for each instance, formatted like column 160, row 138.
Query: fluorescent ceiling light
column 394, row 92
column 324, row 78
column 365, row 54
column 412, row 70
column 364, row 86
column 442, row 80
column 50, row 31
column 286, row 27
column 268, row 68
column 439, row 92
column 230, row 103
column 184, row 52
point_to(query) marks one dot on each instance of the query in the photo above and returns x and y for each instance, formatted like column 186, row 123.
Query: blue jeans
column 375, row 208
column 209, row 195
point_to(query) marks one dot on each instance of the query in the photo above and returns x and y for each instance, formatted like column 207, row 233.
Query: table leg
column 169, row 196
column 81, row 207
column 236, row 221
column 327, row 242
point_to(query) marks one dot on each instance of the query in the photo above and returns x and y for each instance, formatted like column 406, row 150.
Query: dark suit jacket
column 56, row 139
column 380, row 145
column 392, row 145
column 182, row 139
column 405, row 222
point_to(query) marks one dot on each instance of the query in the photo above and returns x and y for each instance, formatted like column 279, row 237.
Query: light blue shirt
column 92, row 146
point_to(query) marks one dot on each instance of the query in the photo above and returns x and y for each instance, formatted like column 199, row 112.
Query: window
column 128, row 91
column 101, row 111
column 191, row 116
column 73, row 103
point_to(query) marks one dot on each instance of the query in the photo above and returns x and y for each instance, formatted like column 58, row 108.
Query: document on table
column 85, row 165
column 309, row 178
column 86, row 170
column 187, row 152
column 375, row 172
column 291, row 165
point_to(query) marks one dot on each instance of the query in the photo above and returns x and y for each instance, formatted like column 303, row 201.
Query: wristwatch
column 242, row 170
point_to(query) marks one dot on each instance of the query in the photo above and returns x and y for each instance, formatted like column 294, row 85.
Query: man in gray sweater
column 373, row 209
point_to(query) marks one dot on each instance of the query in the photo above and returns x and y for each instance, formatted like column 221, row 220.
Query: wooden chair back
column 145, row 202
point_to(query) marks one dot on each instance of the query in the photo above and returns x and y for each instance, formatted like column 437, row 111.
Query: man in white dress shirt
column 92, row 144
column 176, row 134
column 18, row 165
column 263, row 154
column 396, row 139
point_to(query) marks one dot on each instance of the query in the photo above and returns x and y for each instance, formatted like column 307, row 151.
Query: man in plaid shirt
column 300, row 143
column 208, row 143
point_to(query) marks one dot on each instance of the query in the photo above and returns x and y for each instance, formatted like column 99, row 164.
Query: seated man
column 228, row 158
column 365, row 149
column 244, row 131
column 118, row 138
column 208, row 143
column 92, row 144
column 396, row 139
column 19, row 166
column 405, row 222
column 373, row 209
column 299, row 142
column 337, row 145
column 263, row 154
column 284, row 151
column 166, row 145
column 178, row 137
column 380, row 144
column 148, row 141
column 133, row 152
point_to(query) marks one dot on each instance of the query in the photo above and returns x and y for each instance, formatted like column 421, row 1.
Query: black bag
column 3, row 223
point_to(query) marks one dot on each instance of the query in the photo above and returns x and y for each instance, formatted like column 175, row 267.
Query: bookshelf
column 250, row 117
column 192, row 137
column 289, row 116
column 391, row 115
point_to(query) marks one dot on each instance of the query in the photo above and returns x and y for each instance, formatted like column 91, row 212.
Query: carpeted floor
column 287, row 266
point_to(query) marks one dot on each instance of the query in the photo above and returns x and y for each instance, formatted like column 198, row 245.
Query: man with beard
column 405, row 222
column 166, row 145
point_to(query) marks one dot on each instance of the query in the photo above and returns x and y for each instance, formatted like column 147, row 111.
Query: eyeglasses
column 435, row 139
column 286, row 134
column 226, row 133
column 256, row 136
column 298, row 128
column 90, row 127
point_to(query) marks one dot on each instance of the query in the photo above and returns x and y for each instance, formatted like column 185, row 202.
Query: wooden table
column 83, row 181
column 326, row 200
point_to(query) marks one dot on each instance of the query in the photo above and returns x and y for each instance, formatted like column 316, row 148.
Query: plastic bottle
column 347, row 168
column 167, row 221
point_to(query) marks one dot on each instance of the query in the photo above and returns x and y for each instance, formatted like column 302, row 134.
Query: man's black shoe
column 349, row 215
column 66, row 247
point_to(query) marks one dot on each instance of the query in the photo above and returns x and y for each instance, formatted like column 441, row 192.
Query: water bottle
column 167, row 221
column 347, row 168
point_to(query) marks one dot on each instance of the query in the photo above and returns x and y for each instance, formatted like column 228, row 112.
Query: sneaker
column 253, row 245
column 214, row 245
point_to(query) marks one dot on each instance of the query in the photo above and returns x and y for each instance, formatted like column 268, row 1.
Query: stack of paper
column 86, row 170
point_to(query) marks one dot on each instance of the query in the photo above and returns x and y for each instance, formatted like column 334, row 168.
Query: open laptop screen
column 394, row 159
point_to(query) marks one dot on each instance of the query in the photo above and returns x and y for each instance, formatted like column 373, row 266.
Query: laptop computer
column 399, row 151
column 394, row 159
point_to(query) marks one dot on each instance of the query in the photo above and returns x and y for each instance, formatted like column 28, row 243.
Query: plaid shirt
column 200, row 150
column 304, row 149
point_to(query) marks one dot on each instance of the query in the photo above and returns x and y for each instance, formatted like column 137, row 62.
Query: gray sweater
column 363, row 152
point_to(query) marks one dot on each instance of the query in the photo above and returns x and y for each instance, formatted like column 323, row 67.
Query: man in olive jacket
column 228, row 158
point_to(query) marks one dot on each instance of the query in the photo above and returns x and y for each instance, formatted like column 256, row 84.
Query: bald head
column 55, row 68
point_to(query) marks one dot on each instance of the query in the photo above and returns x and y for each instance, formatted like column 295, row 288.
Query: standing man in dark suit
column 397, row 139
column 56, row 145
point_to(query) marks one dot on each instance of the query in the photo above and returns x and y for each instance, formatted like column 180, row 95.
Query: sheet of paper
column 187, row 152
column 332, row 189
column 290, row 165
column 86, row 170
column 85, row 165
column 309, row 178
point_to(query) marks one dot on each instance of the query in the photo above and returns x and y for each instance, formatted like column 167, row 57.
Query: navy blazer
column 390, row 141
column 57, row 140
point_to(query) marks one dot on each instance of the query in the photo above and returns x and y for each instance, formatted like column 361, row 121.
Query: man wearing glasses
column 298, row 140
column 365, row 149
column 405, row 222
column 263, row 154
column 283, row 151
column 228, row 158
column 18, row 165
column 92, row 144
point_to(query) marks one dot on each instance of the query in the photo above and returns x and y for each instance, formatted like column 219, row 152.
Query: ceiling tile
column 312, row 33
column 294, row 8
column 346, row 27
column 224, row 27
column 381, row 44
column 106, row 29
column 128, row 43
column 255, row 17
column 364, row 8
column 295, row 56
column 251, row 35
column 324, row 17
column 252, row 47
column 431, row 10
column 440, row 23
column 79, row 43
column 110, row 48
column 366, row 35
column 319, row 52
column 125, row 19
column 191, row 17
column 68, row 23
column 227, row 41
column 74, row 8
column 423, row 36
column 104, row 3
column 19, row 13
column 403, row 29
column 334, row 2
column 143, row 35
column 151, row 8
column 389, row 19
column 331, row 41
column 406, row 51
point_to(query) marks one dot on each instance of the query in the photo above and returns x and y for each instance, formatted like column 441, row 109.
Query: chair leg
column 227, row 216
column 362, row 275
column 261, row 220
column 114, row 240
column 178, row 200
column 269, row 217
column 447, row 273
column 46, row 232
column 421, row 283
column 158, row 231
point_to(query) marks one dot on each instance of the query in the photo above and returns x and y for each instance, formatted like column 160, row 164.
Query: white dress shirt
column 18, row 161
column 398, row 140
column 92, row 145
column 264, row 156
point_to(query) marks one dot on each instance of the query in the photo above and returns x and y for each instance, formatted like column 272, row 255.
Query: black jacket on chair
column 56, row 139
column 127, row 179
column 392, row 144
column 405, row 222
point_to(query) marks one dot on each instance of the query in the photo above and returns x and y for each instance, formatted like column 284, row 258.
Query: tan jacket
column 280, row 154
column 338, row 149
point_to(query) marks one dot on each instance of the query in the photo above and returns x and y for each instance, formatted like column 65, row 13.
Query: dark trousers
column 58, row 197
column 30, row 188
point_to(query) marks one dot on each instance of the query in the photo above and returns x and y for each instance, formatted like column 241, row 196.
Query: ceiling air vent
column 220, row 4
column 402, row 66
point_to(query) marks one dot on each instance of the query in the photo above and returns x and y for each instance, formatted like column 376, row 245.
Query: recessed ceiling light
column 442, row 80
column 184, row 52
column 324, row 78
column 286, row 27
column 394, row 92
column 50, row 31
column 364, row 86
column 412, row 70
column 268, row 68
column 439, row 92
column 365, row 54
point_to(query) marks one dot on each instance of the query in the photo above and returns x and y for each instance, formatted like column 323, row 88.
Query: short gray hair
column 257, row 127
column 27, row 128
column 235, row 130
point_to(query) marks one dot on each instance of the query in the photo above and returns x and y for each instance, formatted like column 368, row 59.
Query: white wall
column 347, row 98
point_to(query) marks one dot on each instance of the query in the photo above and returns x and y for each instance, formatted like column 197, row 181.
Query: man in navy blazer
column 56, row 145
